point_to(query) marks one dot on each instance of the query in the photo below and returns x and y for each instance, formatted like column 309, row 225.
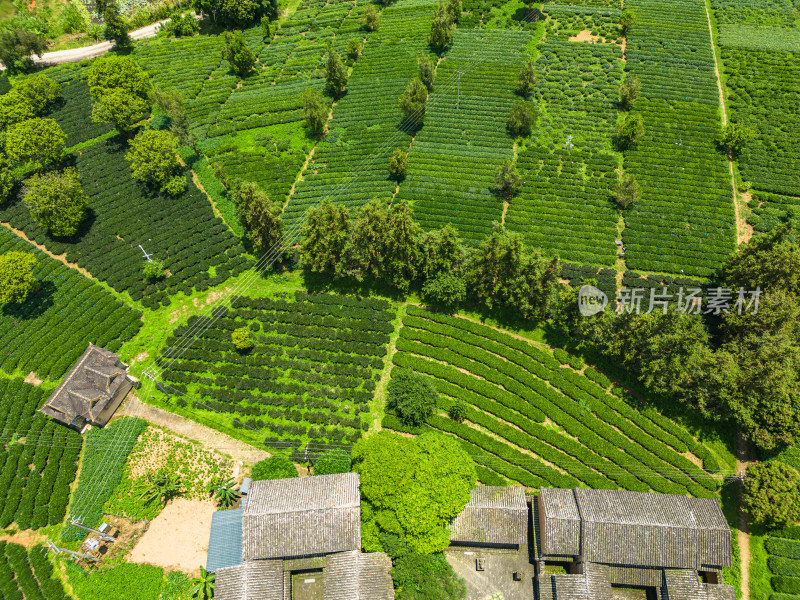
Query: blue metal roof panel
column 225, row 541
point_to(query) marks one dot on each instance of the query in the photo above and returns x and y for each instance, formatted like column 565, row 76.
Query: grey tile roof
column 252, row 580
column 495, row 515
column 225, row 540
column 560, row 534
column 683, row 584
column 591, row 585
column 641, row 576
column 636, row 529
column 89, row 386
column 302, row 516
column 356, row 576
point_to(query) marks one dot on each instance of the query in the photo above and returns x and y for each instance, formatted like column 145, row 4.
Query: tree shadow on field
column 321, row 283
column 36, row 304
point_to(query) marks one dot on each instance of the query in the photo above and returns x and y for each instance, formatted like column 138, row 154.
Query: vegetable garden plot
column 181, row 231
column 38, row 459
column 28, row 574
column 310, row 375
column 51, row 330
column 685, row 219
column 455, row 156
column 350, row 163
column 764, row 92
column 771, row 13
column 539, row 423
column 565, row 205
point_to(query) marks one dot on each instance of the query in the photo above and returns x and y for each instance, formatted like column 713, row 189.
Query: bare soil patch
column 33, row 379
column 177, row 539
column 585, row 36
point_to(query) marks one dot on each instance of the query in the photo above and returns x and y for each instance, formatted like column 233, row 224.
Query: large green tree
column 7, row 180
column 412, row 102
column 315, row 111
column 412, row 488
column 326, row 231
column 35, row 142
column 365, row 253
column 56, row 201
column 236, row 52
column 118, row 72
column 38, row 91
column 116, row 29
column 425, row 70
column 17, row 46
column 522, row 118
column 17, row 281
column 154, row 160
column 504, row 273
column 772, row 493
column 121, row 91
column 735, row 137
column 400, row 247
column 336, row 74
column 629, row 90
column 630, row 131
column 507, row 179
column 236, row 13
column 526, row 80
column 260, row 217
column 442, row 263
column 627, row 193
column 442, row 30
column 421, row 576
column 411, row 396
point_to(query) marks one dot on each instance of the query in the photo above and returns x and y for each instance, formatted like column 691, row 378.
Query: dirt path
column 741, row 223
column 209, row 438
column 743, row 459
column 380, row 390
column 59, row 257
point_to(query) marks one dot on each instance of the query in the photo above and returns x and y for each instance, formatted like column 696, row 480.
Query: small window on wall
column 709, row 576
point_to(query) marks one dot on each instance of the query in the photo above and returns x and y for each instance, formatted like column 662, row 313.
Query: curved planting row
column 38, row 459
column 519, row 393
column 52, row 328
column 309, row 376
column 784, row 563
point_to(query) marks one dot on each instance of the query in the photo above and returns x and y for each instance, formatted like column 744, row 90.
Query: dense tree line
column 385, row 243
column 748, row 372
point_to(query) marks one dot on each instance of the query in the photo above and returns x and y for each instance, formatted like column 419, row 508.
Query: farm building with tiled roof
column 92, row 390
column 493, row 516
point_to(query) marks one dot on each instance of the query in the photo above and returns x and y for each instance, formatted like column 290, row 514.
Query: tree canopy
column 17, row 281
column 412, row 102
column 259, row 216
column 627, row 192
column 631, row 131
column 154, row 160
column 735, row 136
column 35, row 142
column 507, row 179
column 629, row 90
column 526, row 80
column 425, row 70
column 398, row 163
column 422, row 576
column 371, row 18
column 56, row 201
column 236, row 13
column 121, row 90
column 236, row 52
column 412, row 488
column 336, row 74
column 326, row 231
column 772, row 493
column 522, row 118
column 506, row 274
column 17, row 46
column 315, row 111
column 442, row 29
column 411, row 396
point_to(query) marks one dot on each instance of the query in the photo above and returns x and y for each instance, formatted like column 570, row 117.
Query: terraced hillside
column 533, row 421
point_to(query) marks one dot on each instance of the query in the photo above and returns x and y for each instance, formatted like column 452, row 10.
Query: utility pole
column 58, row 550
column 458, row 98
column 103, row 536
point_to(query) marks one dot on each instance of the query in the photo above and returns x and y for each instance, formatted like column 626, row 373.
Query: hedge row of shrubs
column 28, row 573
column 638, row 460
column 319, row 351
column 35, row 476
